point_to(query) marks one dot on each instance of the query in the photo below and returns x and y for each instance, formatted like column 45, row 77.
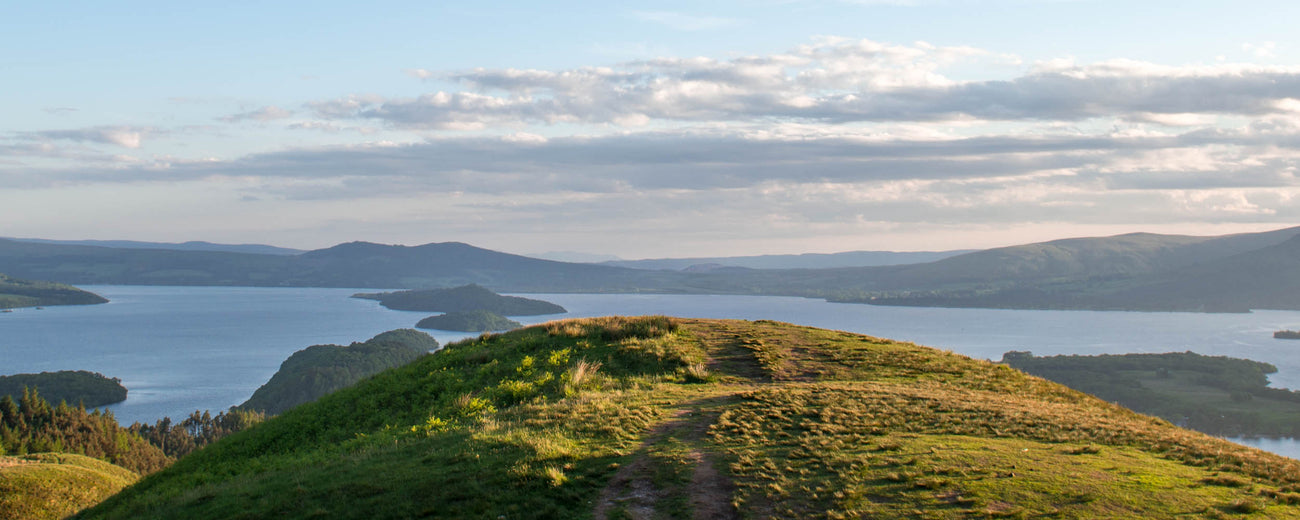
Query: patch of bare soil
column 631, row 493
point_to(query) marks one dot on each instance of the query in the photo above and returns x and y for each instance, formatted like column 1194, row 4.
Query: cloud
column 124, row 136
column 264, row 114
column 684, row 22
column 831, row 81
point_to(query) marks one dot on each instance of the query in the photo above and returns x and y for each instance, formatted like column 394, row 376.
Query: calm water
column 180, row 349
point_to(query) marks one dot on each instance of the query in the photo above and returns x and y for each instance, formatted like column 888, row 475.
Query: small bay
column 181, row 349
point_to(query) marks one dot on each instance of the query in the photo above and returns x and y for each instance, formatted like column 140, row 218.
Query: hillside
column 55, row 485
column 28, row 293
column 470, row 297
column 801, row 261
column 355, row 264
column 317, row 370
column 665, row 418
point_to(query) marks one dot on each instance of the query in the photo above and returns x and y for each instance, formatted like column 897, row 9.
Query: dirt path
column 674, row 474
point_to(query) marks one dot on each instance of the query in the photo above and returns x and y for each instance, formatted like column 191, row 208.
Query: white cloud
column 123, row 136
column 832, row 81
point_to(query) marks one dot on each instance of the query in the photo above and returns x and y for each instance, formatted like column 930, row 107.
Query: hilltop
column 680, row 418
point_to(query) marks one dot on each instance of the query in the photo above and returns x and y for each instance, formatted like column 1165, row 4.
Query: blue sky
column 648, row 129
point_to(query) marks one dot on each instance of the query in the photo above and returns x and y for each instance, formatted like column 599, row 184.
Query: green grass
column 664, row 418
column 49, row 485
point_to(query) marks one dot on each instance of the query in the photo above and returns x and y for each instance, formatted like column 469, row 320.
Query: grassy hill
column 665, row 418
column 55, row 485
column 29, row 293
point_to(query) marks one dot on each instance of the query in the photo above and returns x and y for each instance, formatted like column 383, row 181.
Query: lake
column 180, row 349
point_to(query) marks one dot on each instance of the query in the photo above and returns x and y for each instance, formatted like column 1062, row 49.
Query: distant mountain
column 1139, row 271
column 355, row 264
column 1231, row 273
column 803, row 261
column 193, row 245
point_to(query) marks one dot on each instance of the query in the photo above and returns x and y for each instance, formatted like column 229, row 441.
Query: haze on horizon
column 665, row 129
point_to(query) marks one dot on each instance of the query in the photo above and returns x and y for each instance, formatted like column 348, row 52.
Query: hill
column 1140, row 271
column 468, row 321
column 193, row 245
column 320, row 369
column 801, row 261
column 355, row 264
column 55, row 485
column 659, row 417
column 90, row 389
column 28, row 293
column 470, row 297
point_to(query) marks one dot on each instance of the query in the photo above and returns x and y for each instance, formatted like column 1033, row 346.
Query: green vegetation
column 461, row 299
column 32, row 425
column 1213, row 394
column 28, row 293
column 89, row 389
column 318, row 370
column 1287, row 334
column 54, row 485
column 178, row 439
column 663, row 418
column 469, row 321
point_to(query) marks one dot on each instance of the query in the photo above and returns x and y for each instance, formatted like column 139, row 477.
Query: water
column 181, row 349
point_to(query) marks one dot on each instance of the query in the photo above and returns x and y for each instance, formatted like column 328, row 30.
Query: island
column 472, row 297
column 317, row 370
column 16, row 293
column 1212, row 394
column 75, row 387
column 469, row 321
column 1287, row 334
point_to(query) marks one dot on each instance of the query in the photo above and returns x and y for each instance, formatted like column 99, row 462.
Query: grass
column 666, row 418
column 49, row 485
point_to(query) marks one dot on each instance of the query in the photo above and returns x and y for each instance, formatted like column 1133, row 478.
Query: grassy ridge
column 656, row 417
column 50, row 485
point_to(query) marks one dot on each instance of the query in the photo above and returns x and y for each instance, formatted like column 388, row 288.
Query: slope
column 659, row 417
column 55, row 485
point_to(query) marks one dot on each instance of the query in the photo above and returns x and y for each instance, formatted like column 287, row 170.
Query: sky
column 636, row 129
